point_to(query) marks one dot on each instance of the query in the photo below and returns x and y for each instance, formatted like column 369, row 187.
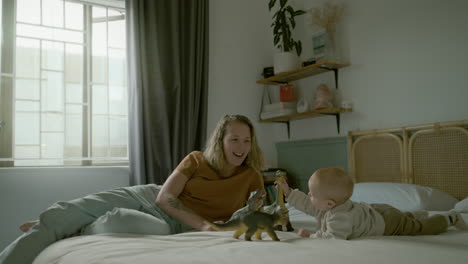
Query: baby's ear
column 331, row 204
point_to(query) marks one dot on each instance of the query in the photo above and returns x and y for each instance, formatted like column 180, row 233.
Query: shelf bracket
column 287, row 127
column 337, row 117
column 335, row 71
column 336, row 77
column 265, row 91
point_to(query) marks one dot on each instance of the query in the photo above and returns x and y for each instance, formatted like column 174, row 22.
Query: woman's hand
column 206, row 227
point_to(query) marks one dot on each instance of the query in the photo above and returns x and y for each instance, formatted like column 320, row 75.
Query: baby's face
column 318, row 203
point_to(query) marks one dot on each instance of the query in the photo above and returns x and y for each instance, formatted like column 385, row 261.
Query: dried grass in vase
column 327, row 17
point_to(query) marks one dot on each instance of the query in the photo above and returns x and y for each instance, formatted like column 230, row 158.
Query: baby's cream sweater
column 346, row 221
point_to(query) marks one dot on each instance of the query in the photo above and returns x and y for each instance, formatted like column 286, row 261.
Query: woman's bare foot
column 27, row 225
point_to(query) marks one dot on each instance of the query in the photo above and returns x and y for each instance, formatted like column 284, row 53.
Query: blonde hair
column 332, row 184
column 214, row 150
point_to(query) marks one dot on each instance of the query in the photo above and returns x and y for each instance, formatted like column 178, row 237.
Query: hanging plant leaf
column 271, row 4
column 299, row 12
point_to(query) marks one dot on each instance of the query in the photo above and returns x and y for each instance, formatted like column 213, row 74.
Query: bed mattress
column 221, row 247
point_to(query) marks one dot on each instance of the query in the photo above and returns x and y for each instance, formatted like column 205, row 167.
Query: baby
column 339, row 217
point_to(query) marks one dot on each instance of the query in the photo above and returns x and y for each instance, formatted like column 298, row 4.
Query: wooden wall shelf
column 308, row 114
column 309, row 70
column 304, row 72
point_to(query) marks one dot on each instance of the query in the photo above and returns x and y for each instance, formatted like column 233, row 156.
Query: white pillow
column 406, row 197
column 462, row 206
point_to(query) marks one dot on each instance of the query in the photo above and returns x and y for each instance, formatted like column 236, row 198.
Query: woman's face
column 236, row 143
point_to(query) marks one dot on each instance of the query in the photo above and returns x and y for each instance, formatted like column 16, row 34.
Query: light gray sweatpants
column 122, row 210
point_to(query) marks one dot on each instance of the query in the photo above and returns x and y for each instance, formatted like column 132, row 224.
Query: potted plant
column 283, row 24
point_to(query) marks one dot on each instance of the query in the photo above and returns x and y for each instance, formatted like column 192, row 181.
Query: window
column 63, row 93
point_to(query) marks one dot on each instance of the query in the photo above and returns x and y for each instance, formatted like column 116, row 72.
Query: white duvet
column 220, row 247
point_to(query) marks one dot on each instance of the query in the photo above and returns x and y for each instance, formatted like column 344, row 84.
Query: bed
column 417, row 167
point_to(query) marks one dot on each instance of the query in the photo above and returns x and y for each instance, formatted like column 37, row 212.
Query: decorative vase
column 285, row 61
column 331, row 50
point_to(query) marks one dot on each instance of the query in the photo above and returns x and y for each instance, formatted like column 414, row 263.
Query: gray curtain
column 167, row 53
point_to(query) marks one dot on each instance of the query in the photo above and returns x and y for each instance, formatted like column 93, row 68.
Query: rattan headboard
column 434, row 155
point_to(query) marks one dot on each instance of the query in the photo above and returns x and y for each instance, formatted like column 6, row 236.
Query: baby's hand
column 284, row 185
column 304, row 233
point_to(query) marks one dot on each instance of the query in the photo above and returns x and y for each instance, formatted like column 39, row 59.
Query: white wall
column 408, row 65
column 240, row 46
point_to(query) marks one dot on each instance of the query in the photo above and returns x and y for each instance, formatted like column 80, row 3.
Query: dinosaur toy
column 279, row 204
column 254, row 203
column 253, row 219
column 254, row 222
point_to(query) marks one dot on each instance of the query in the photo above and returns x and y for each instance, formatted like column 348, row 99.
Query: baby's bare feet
column 27, row 225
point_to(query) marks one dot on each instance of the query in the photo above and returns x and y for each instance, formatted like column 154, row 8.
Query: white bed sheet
column 221, row 247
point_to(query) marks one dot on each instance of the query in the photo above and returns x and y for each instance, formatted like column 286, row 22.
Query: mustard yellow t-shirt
column 211, row 196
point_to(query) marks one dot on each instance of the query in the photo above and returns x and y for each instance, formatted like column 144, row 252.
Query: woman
column 199, row 189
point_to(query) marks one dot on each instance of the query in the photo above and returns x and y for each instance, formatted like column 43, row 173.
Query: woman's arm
column 169, row 202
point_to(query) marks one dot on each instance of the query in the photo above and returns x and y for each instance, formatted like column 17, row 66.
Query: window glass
column 100, row 136
column 117, row 34
column 100, row 100
column 73, row 131
column 28, row 57
column 118, row 136
column 27, row 152
column 49, row 33
column 28, row 11
column 52, row 13
column 117, row 67
column 26, row 128
column 63, row 94
column 27, row 89
column 52, row 146
column 52, row 91
column 53, row 122
column 52, row 55
column 74, row 16
column 27, row 106
column 99, row 53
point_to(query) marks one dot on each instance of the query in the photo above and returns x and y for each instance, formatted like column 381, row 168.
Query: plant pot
column 285, row 61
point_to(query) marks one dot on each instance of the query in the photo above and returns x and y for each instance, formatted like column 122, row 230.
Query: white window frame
column 7, row 98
